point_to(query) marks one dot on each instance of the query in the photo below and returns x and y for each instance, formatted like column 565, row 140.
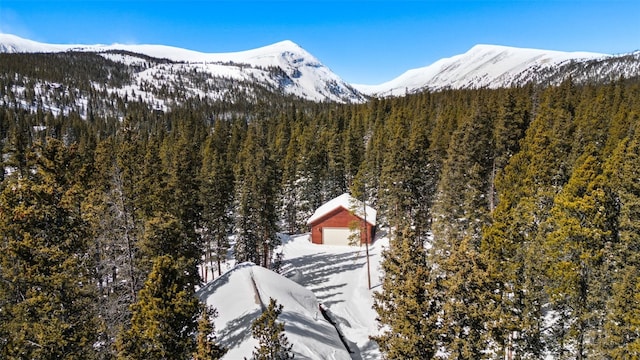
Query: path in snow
column 337, row 275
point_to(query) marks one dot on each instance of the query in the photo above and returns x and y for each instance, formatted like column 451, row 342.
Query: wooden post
column 366, row 237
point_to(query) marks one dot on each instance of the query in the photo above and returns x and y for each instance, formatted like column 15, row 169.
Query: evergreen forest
column 513, row 216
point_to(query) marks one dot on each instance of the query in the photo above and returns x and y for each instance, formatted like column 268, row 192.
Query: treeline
column 512, row 216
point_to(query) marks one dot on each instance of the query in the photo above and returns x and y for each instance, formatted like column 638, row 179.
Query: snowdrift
column 241, row 295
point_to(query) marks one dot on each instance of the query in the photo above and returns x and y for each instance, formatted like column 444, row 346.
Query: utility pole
column 366, row 236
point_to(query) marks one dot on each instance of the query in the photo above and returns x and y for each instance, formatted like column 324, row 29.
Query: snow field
column 337, row 275
column 334, row 277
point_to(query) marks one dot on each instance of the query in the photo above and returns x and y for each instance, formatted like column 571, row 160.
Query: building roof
column 347, row 202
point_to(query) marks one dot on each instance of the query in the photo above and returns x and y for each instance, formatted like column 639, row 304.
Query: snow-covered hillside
column 165, row 75
column 482, row 66
column 283, row 67
column 334, row 277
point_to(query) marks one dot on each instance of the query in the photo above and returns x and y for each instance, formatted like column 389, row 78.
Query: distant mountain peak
column 285, row 45
column 300, row 73
column 483, row 65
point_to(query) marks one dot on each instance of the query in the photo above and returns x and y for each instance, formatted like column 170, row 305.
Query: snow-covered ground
column 333, row 277
column 337, row 275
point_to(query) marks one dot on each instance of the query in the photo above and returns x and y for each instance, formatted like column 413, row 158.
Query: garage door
column 335, row 236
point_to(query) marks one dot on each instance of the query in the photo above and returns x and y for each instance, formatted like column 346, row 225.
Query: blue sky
column 365, row 42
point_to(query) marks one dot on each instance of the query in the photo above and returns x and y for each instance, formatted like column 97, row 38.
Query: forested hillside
column 513, row 214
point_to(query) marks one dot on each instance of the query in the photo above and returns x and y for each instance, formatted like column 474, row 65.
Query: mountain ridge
column 14, row 44
column 285, row 67
column 483, row 65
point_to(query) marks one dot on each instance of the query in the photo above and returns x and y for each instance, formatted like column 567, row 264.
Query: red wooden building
column 333, row 223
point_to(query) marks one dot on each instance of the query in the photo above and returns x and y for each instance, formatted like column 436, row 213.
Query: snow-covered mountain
column 494, row 66
column 164, row 76
column 282, row 67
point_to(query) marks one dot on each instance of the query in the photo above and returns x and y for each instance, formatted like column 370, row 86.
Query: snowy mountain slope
column 14, row 44
column 164, row 76
column 482, row 66
column 241, row 295
column 282, row 67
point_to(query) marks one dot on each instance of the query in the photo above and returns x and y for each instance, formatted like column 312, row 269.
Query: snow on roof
column 345, row 201
column 242, row 294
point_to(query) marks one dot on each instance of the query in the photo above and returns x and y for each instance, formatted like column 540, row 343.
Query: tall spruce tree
column 47, row 294
column 184, row 204
column 512, row 244
column 117, row 273
column 408, row 306
column 164, row 318
column 292, row 206
column 256, row 197
column 216, row 196
column 460, row 212
column 582, row 222
column 622, row 324
column 310, row 172
column 394, row 199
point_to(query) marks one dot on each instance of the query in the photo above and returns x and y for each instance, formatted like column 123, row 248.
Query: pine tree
column 206, row 346
column 353, row 144
column 164, row 318
column 512, row 245
column 184, row 183
column 622, row 324
column 423, row 180
column 335, row 182
column 464, row 307
column 310, row 172
column 394, row 197
column 17, row 145
column 272, row 341
column 408, row 307
column 583, row 222
column 291, row 202
column 511, row 123
column 460, row 213
column 164, row 234
column 149, row 181
column 256, row 197
column 115, row 234
column 175, row 223
column 47, row 294
column 462, row 207
column 621, row 340
column 216, row 196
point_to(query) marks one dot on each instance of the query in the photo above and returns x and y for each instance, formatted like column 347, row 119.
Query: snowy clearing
column 333, row 277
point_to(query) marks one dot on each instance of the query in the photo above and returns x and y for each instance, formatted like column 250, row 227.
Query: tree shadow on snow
column 326, row 292
column 312, row 271
column 320, row 330
column 237, row 330
column 370, row 351
column 318, row 268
